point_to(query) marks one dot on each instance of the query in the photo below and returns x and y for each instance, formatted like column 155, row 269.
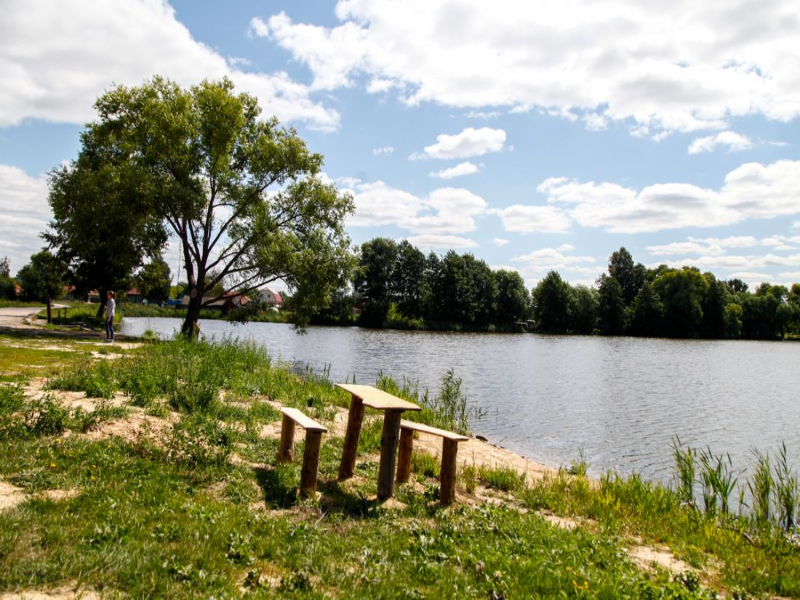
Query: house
column 227, row 302
column 268, row 297
column 134, row 296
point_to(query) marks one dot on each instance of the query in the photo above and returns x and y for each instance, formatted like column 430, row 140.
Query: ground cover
column 153, row 473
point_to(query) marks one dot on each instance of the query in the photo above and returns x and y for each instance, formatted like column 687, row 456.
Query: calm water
column 620, row 399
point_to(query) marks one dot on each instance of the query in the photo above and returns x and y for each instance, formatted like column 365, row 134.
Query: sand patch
column 482, row 454
column 647, row 557
column 58, row 495
column 60, row 593
column 10, row 496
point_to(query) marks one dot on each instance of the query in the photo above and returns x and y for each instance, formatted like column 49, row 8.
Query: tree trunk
column 190, row 327
column 102, row 306
column 49, row 310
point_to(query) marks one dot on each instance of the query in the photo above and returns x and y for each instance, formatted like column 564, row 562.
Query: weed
column 760, row 486
column 786, row 490
column 425, row 464
column 503, row 478
column 685, row 461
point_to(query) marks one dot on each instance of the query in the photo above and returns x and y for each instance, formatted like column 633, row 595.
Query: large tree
column 239, row 193
column 103, row 227
column 552, row 303
column 373, row 279
column 42, row 279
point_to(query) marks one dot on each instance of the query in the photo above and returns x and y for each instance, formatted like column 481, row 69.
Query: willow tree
column 240, row 193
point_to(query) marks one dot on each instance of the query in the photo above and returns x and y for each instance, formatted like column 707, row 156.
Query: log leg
column 448, row 472
column 355, row 419
column 404, row 455
column 389, row 441
column 286, row 448
column 308, row 475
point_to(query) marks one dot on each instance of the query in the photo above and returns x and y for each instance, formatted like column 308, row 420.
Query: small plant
column 718, row 481
column 199, row 442
column 786, row 490
column 760, row 486
column 580, row 466
column 502, row 478
column 468, row 477
column 685, row 461
column 46, row 416
column 424, row 464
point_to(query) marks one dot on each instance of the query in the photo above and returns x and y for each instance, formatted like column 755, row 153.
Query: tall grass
column 772, row 488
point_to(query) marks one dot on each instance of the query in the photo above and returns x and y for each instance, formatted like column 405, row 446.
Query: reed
column 685, row 461
column 786, row 490
column 760, row 486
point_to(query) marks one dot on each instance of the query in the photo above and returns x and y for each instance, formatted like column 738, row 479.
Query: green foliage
column 611, row 314
column 153, row 280
column 203, row 162
column 42, row 278
column 551, row 304
column 502, row 478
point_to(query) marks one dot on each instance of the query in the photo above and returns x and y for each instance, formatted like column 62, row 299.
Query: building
column 270, row 298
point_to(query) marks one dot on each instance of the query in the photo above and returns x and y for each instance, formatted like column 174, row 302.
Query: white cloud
column 500, row 242
column 441, row 242
column 678, row 66
column 566, row 248
column 58, row 56
column 550, row 258
column 707, row 246
column 752, row 191
column 23, row 204
column 731, row 139
column 738, row 263
column 793, row 276
column 384, row 150
column 470, row 142
column 796, row 225
column 533, row 219
column 464, row 168
column 446, row 211
column 477, row 114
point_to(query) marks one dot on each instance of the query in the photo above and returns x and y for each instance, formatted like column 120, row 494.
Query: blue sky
column 537, row 136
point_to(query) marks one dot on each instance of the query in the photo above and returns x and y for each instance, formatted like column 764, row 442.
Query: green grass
column 172, row 514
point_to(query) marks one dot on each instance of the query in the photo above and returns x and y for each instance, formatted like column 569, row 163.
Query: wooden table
column 393, row 408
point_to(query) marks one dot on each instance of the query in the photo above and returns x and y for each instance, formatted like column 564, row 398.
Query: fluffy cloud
column 551, row 258
column 446, row 211
column 23, row 204
column 470, row 142
column 500, row 242
column 731, row 139
column 465, row 168
column 752, row 191
column 707, row 246
column 58, row 56
column 663, row 67
column 384, row 150
column 441, row 242
column 533, row 219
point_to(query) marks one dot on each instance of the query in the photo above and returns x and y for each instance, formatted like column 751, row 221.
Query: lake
column 620, row 400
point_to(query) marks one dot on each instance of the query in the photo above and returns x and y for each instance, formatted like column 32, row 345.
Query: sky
column 536, row 135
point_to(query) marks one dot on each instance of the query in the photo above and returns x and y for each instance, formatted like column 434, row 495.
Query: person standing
column 111, row 306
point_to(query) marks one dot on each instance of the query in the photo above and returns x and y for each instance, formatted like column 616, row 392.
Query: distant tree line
column 631, row 299
column 397, row 285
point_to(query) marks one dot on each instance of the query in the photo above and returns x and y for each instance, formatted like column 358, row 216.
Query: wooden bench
column 450, row 442
column 314, row 431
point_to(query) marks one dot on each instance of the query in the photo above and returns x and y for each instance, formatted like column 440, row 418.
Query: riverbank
column 150, row 470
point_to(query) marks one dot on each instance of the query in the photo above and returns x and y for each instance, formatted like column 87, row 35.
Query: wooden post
column 390, row 437
column 308, row 475
column 355, row 419
column 404, row 455
column 286, row 448
column 448, row 472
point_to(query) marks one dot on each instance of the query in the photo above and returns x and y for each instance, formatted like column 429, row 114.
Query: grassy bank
column 190, row 502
